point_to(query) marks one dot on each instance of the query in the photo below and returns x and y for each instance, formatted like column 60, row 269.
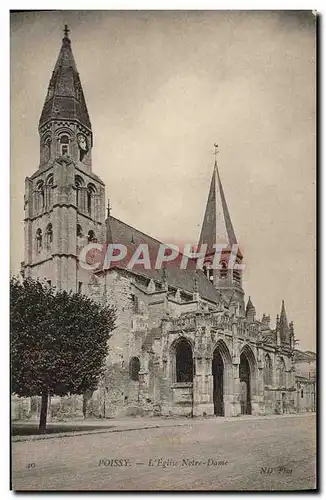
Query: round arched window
column 64, row 144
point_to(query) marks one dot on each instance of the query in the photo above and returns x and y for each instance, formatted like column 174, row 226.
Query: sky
column 161, row 89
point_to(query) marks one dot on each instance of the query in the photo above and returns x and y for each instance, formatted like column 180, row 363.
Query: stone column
column 197, row 388
column 166, row 370
column 235, row 381
column 143, row 380
column 260, row 382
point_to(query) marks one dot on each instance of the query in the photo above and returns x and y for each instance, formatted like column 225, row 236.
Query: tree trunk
column 44, row 411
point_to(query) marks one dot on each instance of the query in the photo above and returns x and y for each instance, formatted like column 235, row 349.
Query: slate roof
column 307, row 356
column 65, row 97
column 217, row 226
column 120, row 232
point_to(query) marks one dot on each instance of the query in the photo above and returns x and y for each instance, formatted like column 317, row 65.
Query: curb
column 18, row 439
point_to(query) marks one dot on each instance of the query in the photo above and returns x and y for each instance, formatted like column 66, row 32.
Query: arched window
column 91, row 237
column 302, row 393
column 39, row 242
column 91, row 190
column 39, row 196
column 134, row 369
column 48, row 192
column 79, row 235
column 268, row 370
column 183, row 362
column 64, row 144
column 79, row 183
column 79, row 231
column 49, row 236
column 47, row 148
column 224, row 269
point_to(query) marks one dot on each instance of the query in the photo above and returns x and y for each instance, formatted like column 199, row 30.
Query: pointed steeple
column 217, row 226
column 65, row 98
column 217, row 229
column 250, row 311
column 284, row 326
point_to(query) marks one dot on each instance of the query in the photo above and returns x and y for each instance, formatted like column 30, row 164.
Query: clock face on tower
column 82, row 142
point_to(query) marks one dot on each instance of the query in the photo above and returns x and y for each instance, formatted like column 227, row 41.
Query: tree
column 59, row 341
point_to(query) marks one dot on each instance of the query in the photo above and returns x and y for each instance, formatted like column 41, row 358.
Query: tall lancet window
column 268, row 370
column 39, row 240
column 281, row 372
column 91, row 191
column 64, row 144
column 47, row 149
column 39, row 197
column 48, row 192
column 79, row 183
column 49, row 236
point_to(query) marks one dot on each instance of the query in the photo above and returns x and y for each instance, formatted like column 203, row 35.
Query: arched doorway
column 218, row 383
column 245, row 385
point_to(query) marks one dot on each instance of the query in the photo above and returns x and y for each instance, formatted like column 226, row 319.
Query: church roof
column 65, row 97
column 304, row 356
column 217, row 226
column 184, row 279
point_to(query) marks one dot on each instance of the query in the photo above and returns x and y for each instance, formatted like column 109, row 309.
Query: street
column 213, row 454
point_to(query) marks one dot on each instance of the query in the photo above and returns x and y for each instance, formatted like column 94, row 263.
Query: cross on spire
column 215, row 151
column 66, row 31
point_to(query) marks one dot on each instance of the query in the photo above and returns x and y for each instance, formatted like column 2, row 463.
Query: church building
column 187, row 343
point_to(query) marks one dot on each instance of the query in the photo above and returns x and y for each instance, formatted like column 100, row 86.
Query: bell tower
column 64, row 200
column 217, row 229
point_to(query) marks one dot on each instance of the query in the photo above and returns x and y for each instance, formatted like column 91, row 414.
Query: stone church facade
column 185, row 342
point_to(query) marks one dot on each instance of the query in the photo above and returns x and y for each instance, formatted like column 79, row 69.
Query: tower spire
column 66, row 31
column 217, row 229
column 284, row 326
column 65, row 97
column 217, row 226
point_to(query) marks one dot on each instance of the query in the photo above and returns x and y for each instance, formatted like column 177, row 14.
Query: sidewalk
column 90, row 426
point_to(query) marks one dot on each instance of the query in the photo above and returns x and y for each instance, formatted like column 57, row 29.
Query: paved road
column 261, row 454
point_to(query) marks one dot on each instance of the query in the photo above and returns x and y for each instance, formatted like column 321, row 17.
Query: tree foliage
column 59, row 340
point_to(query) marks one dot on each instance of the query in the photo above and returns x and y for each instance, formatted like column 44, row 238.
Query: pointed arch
column 248, row 374
column 281, row 371
column 182, row 357
column 268, row 370
column 248, row 352
column 224, row 350
column 222, row 376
